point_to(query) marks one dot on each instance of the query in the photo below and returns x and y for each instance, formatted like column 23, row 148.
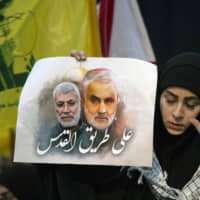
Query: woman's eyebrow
column 192, row 98
column 171, row 93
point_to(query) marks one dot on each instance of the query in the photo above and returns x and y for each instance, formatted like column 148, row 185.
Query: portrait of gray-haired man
column 67, row 106
column 100, row 103
column 100, row 98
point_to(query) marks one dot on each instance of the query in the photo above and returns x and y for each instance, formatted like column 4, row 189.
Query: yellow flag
column 31, row 30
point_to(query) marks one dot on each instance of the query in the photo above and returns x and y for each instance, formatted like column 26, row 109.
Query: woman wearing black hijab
column 175, row 173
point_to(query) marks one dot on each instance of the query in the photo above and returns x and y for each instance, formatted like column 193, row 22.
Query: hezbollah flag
column 31, row 30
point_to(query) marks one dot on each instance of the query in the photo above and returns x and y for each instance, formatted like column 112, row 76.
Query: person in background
column 6, row 194
column 175, row 173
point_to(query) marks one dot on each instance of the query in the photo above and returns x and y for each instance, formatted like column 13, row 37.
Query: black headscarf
column 178, row 154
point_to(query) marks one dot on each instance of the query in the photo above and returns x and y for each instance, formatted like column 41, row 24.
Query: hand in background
column 79, row 56
column 5, row 194
column 196, row 124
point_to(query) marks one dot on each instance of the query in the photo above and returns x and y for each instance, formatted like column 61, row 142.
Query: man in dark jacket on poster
column 67, row 103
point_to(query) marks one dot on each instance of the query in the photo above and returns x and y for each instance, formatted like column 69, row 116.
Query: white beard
column 91, row 120
column 74, row 122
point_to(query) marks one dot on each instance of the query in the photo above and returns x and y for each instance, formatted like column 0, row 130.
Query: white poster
column 98, row 112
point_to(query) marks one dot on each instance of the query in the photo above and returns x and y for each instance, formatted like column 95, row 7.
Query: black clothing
column 181, row 71
column 23, row 181
column 178, row 154
column 77, row 182
column 173, row 26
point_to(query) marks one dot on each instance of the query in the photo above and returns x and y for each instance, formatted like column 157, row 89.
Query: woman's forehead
column 180, row 91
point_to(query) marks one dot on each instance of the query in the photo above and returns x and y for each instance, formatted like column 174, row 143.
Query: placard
column 97, row 112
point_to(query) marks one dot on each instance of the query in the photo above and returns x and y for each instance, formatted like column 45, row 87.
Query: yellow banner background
column 31, row 30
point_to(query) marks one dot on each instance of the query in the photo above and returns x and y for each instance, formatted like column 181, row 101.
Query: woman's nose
column 178, row 112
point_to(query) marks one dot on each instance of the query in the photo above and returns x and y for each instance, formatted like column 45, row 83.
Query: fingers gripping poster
column 99, row 111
